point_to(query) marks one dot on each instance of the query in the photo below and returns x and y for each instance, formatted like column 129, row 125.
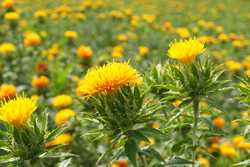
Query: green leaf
column 192, row 81
column 208, row 71
column 54, row 134
column 21, row 153
column 94, row 132
column 208, row 134
column 9, row 127
column 149, row 81
column 5, row 136
column 177, row 115
column 3, row 143
column 155, row 73
column 177, row 146
column 130, row 151
column 209, row 112
column 109, row 148
column 171, row 87
column 152, row 131
column 52, row 147
column 56, row 155
column 138, row 135
column 215, row 105
column 243, row 90
column 152, row 153
column 195, row 70
column 244, row 121
column 245, row 163
column 33, row 162
column 222, row 90
column 45, row 120
column 207, row 121
column 40, row 163
column 183, row 104
column 65, row 163
column 170, row 98
column 25, row 138
column 173, row 161
column 37, row 131
column 13, row 159
column 16, row 135
column 16, row 163
column 247, row 130
column 115, row 156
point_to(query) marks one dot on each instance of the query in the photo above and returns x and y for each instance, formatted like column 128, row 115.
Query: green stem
column 143, row 160
column 196, row 115
column 167, row 118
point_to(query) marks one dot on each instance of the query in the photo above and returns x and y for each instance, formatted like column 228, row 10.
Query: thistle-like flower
column 185, row 51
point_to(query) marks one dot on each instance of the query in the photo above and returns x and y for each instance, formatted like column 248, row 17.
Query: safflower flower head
column 227, row 149
column 123, row 163
column 233, row 65
column 41, row 67
column 11, row 16
column 84, row 52
column 219, row 122
column 204, row 162
column 40, row 14
column 143, row 50
column 63, row 116
column 64, row 138
column 17, row 111
column 186, row 51
column 40, row 82
column 62, row 101
column 108, row 78
column 32, row 39
column 122, row 37
column 7, row 91
column 7, row 3
column 70, row 34
column 7, row 47
column 117, row 54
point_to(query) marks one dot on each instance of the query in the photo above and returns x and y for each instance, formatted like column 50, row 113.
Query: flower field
column 119, row 83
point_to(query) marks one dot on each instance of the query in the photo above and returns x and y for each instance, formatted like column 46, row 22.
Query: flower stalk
column 196, row 115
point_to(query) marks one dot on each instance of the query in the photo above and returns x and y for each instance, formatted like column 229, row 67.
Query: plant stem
column 196, row 115
column 144, row 162
column 167, row 118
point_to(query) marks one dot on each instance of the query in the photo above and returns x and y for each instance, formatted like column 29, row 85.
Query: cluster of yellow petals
column 31, row 39
column 63, row 116
column 17, row 111
column 40, row 14
column 186, row 51
column 11, row 16
column 70, row 34
column 62, row 101
column 7, row 91
column 7, row 47
column 108, row 78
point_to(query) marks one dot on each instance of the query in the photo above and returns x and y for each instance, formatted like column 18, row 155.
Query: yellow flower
column 233, row 66
column 122, row 37
column 143, row 50
column 219, row 122
column 43, row 33
column 40, row 14
column 7, row 3
column 117, row 54
column 23, row 23
column 108, row 78
column 7, row 91
column 183, row 32
column 118, row 48
column 122, row 163
column 234, row 123
column 35, row 97
column 62, row 101
column 11, row 16
column 63, row 115
column 223, row 37
column 7, row 47
column 128, row 12
column 80, row 16
column 143, row 143
column 210, row 25
column 70, row 34
column 54, row 50
column 40, row 82
column 17, row 111
column 237, row 43
column 227, row 149
column 186, row 51
column 63, row 138
column 32, row 39
column 84, row 52
column 204, row 162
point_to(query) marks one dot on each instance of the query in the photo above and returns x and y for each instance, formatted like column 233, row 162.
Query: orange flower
column 11, row 16
column 227, row 149
column 7, row 91
column 84, row 52
column 40, row 82
column 122, row 163
column 31, row 39
column 219, row 122
column 7, row 3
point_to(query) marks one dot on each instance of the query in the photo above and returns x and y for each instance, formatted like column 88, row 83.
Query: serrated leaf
column 94, row 132
column 25, row 138
column 5, row 136
column 6, row 157
column 16, row 135
column 152, row 131
column 171, row 87
column 40, row 163
column 207, row 121
column 45, row 120
column 54, row 133
column 177, row 146
column 207, row 134
column 138, row 135
column 115, row 156
column 243, row 90
column 183, row 104
column 130, row 151
column 54, row 146
column 37, row 131
column 56, row 155
column 3, row 143
column 152, row 153
column 33, row 162
column 170, row 98
column 192, row 81
column 243, row 121
column 177, row 115
column 149, row 81
column 65, row 163
column 247, row 130
column 13, row 159
column 215, row 105
column 246, row 162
